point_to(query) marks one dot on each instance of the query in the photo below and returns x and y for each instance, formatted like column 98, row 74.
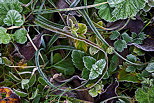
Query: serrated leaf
column 88, row 62
column 119, row 9
column 4, row 37
column 127, row 38
column 85, row 73
column 132, row 58
column 145, row 95
column 13, row 17
column 150, row 67
column 142, row 36
column 20, row 93
column 99, row 66
column 82, row 28
column 120, row 45
column 6, row 5
column 20, row 36
column 93, row 74
column 128, row 8
column 114, row 35
column 77, row 56
column 113, row 2
column 114, row 62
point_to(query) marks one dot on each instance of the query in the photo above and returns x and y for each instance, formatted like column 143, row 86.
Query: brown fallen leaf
column 27, row 51
column 133, row 25
column 10, row 96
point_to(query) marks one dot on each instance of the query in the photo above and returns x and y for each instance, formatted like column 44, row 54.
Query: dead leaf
column 133, row 25
column 27, row 51
column 10, row 96
column 148, row 45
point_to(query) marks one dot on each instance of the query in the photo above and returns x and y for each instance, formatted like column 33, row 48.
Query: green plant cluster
column 56, row 51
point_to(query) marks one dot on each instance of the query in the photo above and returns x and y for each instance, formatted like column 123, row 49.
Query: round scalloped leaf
column 119, row 9
column 20, row 36
column 120, row 45
column 128, row 8
column 13, row 17
column 105, row 11
column 6, row 5
column 4, row 37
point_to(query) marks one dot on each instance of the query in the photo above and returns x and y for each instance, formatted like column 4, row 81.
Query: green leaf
column 93, row 74
column 99, row 66
column 32, row 80
column 85, row 73
column 6, row 61
column 105, row 11
column 113, row 2
column 132, row 58
column 77, row 59
column 114, row 35
column 88, row 62
column 127, row 38
column 81, row 45
column 110, row 50
column 82, row 28
column 119, row 9
column 20, row 93
column 150, row 67
column 13, row 17
column 145, row 95
column 93, row 92
column 20, row 36
column 142, row 36
column 24, row 83
column 6, row 5
column 15, row 78
column 66, row 67
column 93, row 50
column 120, row 45
column 42, row 81
column 134, row 35
column 128, row 77
column 130, row 69
column 4, row 37
column 34, row 94
column 128, row 8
